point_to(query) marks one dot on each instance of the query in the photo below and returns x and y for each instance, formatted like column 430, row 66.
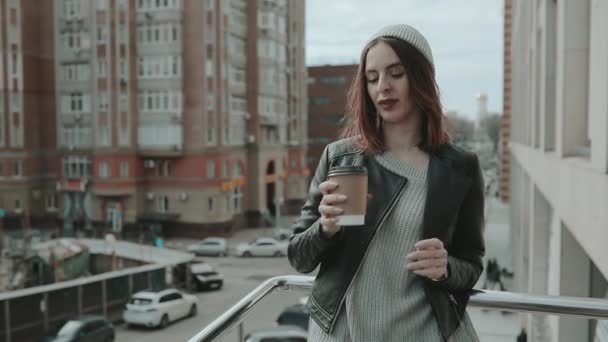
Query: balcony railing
column 507, row 301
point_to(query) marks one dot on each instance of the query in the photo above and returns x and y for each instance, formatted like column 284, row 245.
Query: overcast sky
column 465, row 36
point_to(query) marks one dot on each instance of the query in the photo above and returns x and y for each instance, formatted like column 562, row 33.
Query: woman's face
column 387, row 83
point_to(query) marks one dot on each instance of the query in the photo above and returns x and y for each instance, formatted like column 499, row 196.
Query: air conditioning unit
column 183, row 196
column 149, row 164
column 247, row 116
column 251, row 138
column 18, row 210
column 149, row 195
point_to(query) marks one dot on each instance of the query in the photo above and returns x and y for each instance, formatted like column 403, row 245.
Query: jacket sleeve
column 465, row 255
column 308, row 243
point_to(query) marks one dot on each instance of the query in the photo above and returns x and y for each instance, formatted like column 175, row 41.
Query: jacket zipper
column 392, row 204
column 455, row 305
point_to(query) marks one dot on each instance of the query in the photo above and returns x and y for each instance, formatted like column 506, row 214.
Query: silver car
column 278, row 334
column 212, row 246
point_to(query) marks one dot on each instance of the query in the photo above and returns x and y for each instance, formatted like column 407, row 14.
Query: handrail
column 506, row 301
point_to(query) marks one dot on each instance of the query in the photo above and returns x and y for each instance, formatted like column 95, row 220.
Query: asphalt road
column 241, row 275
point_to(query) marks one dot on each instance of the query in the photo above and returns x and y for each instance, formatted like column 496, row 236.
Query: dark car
column 294, row 315
column 88, row 328
column 205, row 277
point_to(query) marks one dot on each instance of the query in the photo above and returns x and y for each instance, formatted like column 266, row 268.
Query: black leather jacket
column 453, row 213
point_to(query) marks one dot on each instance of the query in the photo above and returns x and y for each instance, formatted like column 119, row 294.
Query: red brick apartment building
column 181, row 116
column 327, row 93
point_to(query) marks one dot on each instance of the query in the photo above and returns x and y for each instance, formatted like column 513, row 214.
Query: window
column 167, row 168
column 319, row 100
column 210, row 135
column 15, row 64
column 76, row 167
column 333, row 80
column 17, row 204
column 225, row 169
column 102, row 33
column 174, row 33
column 210, row 204
column 163, row 204
column 210, row 5
column 104, row 170
column 103, row 101
column 102, row 67
column 51, row 201
column 1, row 169
column 124, row 169
column 210, row 169
column 17, row 168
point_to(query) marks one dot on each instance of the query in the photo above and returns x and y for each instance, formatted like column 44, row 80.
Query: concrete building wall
column 559, row 175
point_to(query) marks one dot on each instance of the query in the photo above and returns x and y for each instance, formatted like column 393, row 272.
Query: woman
column 406, row 274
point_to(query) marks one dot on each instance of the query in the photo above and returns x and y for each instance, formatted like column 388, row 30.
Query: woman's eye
column 397, row 75
column 372, row 80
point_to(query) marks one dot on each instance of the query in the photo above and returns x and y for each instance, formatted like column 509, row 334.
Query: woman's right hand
column 328, row 208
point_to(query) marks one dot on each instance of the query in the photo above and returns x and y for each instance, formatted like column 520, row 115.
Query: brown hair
column 365, row 125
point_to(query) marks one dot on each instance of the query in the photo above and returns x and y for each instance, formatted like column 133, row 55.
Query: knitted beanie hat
column 409, row 35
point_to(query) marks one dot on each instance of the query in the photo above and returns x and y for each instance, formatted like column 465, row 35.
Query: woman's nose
column 383, row 84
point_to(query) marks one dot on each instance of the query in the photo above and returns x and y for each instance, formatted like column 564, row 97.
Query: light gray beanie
column 407, row 34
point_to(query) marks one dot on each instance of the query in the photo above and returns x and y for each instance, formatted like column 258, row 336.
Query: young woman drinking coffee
column 406, row 273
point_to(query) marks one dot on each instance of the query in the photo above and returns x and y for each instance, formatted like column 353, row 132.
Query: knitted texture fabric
column 408, row 34
column 385, row 301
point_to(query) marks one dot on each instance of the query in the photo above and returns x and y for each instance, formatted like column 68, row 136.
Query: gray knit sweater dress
column 385, row 301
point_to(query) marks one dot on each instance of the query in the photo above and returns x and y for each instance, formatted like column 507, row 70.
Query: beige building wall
column 559, row 163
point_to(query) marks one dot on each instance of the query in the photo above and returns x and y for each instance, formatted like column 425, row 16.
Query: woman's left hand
column 429, row 260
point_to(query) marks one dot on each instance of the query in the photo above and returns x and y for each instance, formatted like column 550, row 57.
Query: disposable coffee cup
column 352, row 182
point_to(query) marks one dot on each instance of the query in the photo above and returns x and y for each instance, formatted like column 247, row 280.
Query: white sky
column 465, row 36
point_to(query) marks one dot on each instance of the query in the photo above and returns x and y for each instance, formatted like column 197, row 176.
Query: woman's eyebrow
column 388, row 67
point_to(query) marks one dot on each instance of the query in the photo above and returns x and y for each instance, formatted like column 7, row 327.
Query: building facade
column 505, row 128
column 184, row 116
column 28, row 149
column 328, row 87
column 559, row 157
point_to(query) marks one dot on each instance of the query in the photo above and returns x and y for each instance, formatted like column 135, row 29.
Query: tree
column 461, row 129
column 491, row 125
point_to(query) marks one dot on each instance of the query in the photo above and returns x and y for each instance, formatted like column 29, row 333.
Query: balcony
column 163, row 140
column 175, row 15
column 505, row 301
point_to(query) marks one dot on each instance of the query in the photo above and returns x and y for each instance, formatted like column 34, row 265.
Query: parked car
column 212, row 246
column 205, row 277
column 262, row 247
column 294, row 315
column 152, row 308
column 282, row 233
column 278, row 334
column 86, row 328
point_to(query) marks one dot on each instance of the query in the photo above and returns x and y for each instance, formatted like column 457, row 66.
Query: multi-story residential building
column 185, row 116
column 28, row 157
column 328, row 88
column 559, row 157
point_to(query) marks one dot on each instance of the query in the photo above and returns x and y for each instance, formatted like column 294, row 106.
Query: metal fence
column 30, row 314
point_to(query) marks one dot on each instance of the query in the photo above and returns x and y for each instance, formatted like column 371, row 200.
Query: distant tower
column 482, row 107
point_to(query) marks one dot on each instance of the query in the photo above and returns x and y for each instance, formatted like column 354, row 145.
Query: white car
column 158, row 308
column 262, row 247
column 214, row 246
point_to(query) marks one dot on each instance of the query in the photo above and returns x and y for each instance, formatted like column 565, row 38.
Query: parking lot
column 241, row 275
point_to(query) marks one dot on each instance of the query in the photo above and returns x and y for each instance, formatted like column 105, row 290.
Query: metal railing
column 506, row 301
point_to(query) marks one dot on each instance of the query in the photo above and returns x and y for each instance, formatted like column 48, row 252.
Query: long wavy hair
column 364, row 124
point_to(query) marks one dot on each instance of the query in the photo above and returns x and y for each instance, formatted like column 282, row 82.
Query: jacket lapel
column 446, row 188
